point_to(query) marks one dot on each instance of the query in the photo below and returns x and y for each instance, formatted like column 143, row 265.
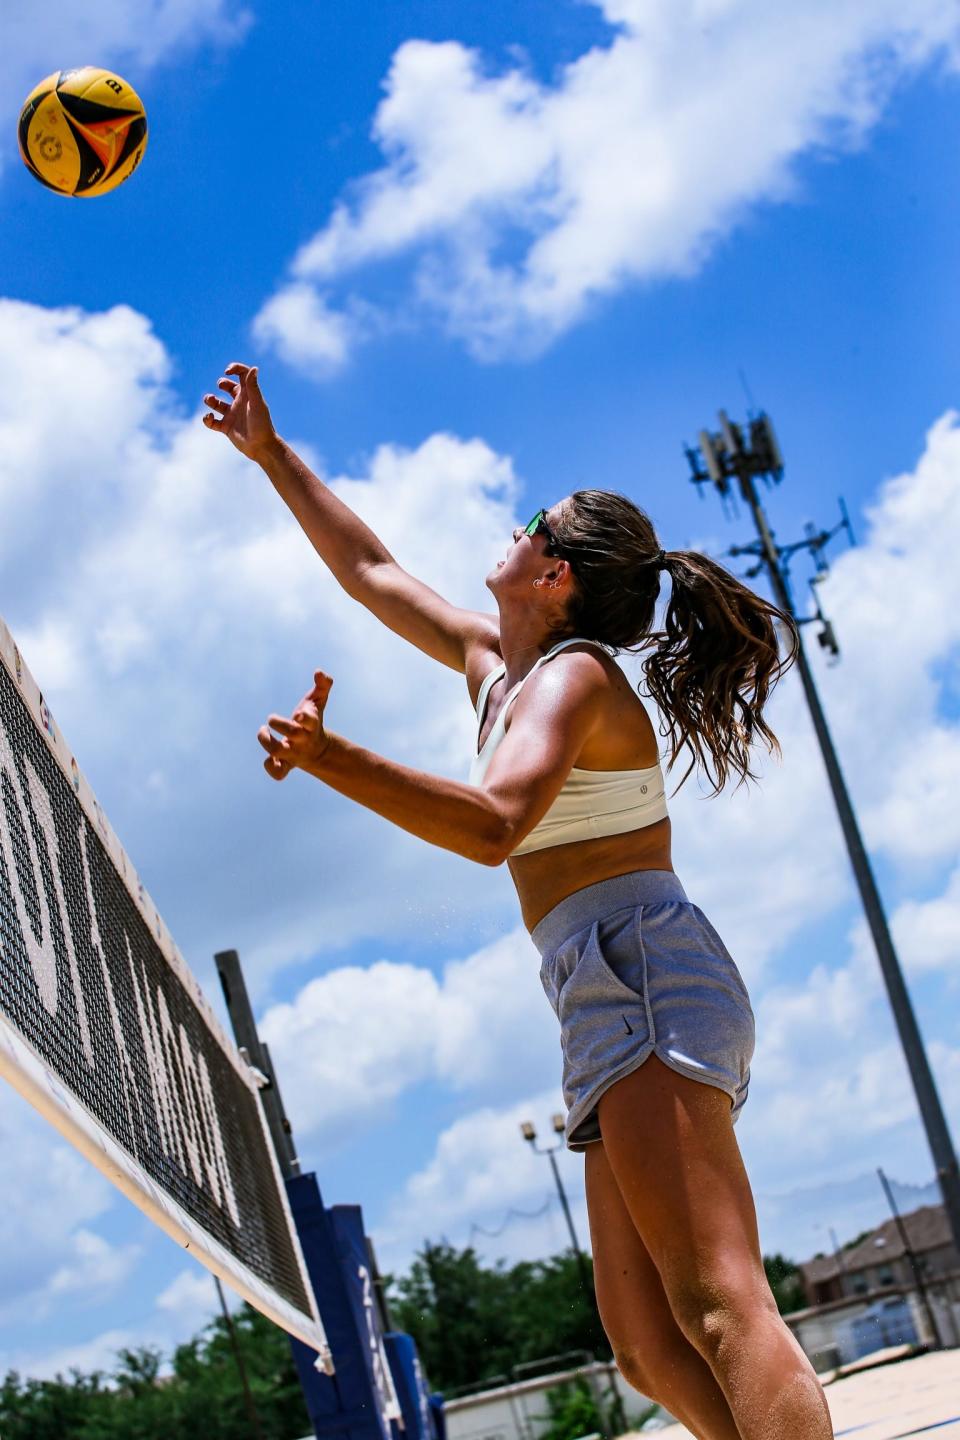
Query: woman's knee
column 651, row 1368
column 713, row 1311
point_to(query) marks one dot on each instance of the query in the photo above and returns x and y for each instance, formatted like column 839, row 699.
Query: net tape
column 105, row 1030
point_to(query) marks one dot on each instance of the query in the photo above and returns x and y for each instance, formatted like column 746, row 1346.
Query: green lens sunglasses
column 538, row 526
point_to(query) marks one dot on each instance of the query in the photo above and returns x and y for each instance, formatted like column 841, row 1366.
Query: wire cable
column 508, row 1220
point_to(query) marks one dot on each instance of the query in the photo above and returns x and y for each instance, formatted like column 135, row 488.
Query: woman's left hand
column 300, row 741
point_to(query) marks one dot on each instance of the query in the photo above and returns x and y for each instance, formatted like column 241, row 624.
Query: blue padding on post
column 410, row 1386
column 346, row 1405
column 354, row 1256
column 438, row 1416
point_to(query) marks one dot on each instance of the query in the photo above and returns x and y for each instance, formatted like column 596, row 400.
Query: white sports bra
column 592, row 803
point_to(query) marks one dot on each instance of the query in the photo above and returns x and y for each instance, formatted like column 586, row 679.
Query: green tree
column 473, row 1322
column 202, row 1396
column 783, row 1277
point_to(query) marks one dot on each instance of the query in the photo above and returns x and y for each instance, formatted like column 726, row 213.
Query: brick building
column 879, row 1261
column 865, row 1298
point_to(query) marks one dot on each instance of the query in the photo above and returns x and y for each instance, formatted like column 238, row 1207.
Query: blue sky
column 543, row 245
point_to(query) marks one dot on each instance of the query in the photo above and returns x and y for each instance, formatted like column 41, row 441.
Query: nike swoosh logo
column 627, row 1023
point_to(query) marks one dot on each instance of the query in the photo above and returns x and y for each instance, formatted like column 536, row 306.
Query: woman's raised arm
column 357, row 558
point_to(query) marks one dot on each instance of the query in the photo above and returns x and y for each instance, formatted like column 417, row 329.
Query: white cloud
column 181, row 1310
column 355, row 1039
column 52, row 1197
column 927, row 933
column 898, row 596
column 190, row 1291
column 38, row 39
column 522, row 201
column 191, row 1301
column 482, row 1174
column 96, row 1268
column 305, row 330
column 98, row 1354
column 829, row 1074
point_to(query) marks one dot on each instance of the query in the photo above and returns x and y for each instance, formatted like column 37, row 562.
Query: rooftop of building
column 927, row 1229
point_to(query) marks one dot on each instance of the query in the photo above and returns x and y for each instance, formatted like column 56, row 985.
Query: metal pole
column 252, row 1414
column 581, row 1262
column 913, row 1261
column 245, row 1033
column 931, row 1111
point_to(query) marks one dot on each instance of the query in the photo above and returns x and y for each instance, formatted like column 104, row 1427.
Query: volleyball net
column 106, row 1032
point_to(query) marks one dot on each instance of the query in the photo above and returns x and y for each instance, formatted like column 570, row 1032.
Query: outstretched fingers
column 282, row 725
column 295, row 741
column 273, row 744
column 246, row 374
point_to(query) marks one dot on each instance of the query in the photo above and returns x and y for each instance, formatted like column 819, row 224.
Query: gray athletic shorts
column 632, row 969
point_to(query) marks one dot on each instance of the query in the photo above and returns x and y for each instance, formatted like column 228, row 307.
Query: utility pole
column 731, row 454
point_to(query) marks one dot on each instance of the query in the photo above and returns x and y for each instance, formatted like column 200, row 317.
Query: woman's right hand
column 244, row 418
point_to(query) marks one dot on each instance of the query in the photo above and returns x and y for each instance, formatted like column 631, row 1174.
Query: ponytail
column 713, row 667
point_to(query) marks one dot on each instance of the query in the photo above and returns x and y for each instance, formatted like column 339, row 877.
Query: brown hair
column 716, row 660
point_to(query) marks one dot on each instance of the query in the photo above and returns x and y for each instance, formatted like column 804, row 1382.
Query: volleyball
column 82, row 132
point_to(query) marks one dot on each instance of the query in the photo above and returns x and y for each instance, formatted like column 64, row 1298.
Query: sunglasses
column 538, row 526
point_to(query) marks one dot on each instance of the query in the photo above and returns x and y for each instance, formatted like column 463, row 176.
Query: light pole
column 530, row 1135
column 729, row 455
column 615, row 1422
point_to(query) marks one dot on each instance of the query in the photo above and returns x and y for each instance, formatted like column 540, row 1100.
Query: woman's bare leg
column 650, row 1349
column 673, row 1152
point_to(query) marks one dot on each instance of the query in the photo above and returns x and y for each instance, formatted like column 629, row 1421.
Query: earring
column 537, row 584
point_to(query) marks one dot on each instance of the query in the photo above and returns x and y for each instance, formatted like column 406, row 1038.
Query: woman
column 566, row 786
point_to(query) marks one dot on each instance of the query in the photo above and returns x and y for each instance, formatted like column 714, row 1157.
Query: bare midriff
column 545, row 877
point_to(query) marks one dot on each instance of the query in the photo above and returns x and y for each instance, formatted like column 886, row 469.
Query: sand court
column 913, row 1397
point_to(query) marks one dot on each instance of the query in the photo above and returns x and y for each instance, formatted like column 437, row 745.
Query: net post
column 245, row 1032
